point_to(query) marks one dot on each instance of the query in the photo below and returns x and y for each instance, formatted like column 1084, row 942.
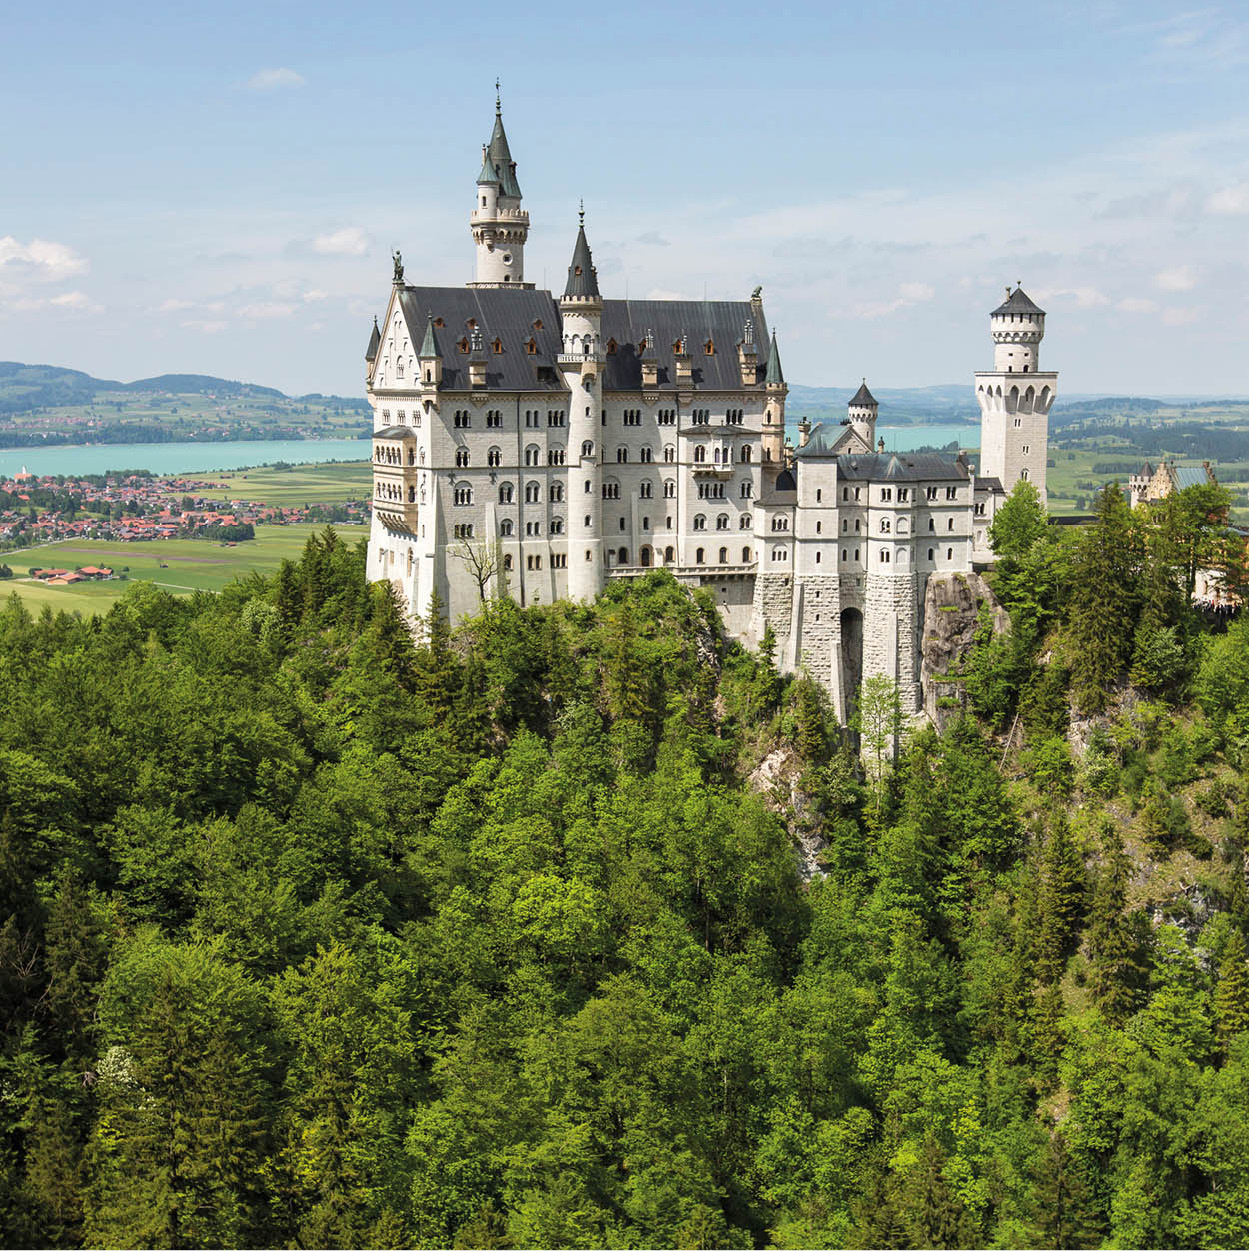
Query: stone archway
column 851, row 656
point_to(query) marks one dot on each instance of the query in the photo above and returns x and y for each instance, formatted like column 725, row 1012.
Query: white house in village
column 537, row 446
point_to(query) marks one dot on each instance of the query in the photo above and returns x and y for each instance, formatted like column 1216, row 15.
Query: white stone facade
column 536, row 446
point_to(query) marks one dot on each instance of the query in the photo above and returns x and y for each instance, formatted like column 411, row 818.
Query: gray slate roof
column 375, row 341
column 510, row 314
column 719, row 321
column 1190, row 476
column 990, row 484
column 882, row 466
column 1017, row 302
column 500, row 313
column 863, row 398
column 582, row 276
column 395, row 432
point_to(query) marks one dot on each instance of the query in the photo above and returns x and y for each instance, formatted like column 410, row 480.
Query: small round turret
column 1017, row 326
column 861, row 412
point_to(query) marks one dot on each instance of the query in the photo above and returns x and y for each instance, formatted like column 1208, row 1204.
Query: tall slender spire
column 775, row 376
column 582, row 276
column 429, row 346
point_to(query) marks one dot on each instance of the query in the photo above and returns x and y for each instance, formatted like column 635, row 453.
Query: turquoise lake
column 166, row 458
column 176, row 458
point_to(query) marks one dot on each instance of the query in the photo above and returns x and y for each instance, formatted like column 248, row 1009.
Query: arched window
column 669, row 555
column 747, row 454
column 700, row 454
column 724, row 555
column 884, row 558
column 885, row 527
column 555, row 456
column 748, row 490
column 622, row 455
column 533, row 492
column 670, row 489
column 587, row 450
column 463, row 494
column 700, row 522
column 698, row 556
column 506, row 493
column 743, row 522
column 949, row 553
column 722, row 521
column 461, row 458
column 646, row 491
column 532, row 454
column 930, row 553
column 556, row 492
column 646, row 456
column 745, row 555
column 670, row 453
column 507, row 563
column 622, row 556
column 505, row 527
column 494, row 458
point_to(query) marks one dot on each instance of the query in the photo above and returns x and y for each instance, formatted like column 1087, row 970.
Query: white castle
column 537, row 446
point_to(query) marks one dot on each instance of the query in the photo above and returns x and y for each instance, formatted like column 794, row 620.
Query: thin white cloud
column 1230, row 200
column 1180, row 316
column 315, row 295
column 1133, row 304
column 349, row 241
column 1083, row 297
column 1178, row 278
column 41, row 259
column 264, row 310
column 274, row 79
column 175, row 306
column 909, row 294
column 205, row 326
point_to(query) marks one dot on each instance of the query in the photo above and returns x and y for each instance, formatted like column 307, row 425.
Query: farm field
column 293, row 487
column 190, row 565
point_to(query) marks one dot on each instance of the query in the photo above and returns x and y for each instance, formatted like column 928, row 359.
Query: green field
column 189, row 565
column 293, row 487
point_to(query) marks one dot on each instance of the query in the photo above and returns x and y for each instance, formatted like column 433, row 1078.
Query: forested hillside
column 317, row 937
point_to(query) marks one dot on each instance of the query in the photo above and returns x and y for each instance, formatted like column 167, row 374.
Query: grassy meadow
column 179, row 565
column 291, row 487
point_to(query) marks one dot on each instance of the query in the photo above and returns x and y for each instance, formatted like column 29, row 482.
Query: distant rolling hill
column 24, row 388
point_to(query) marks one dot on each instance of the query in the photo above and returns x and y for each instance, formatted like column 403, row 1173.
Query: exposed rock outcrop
column 952, row 604
column 777, row 779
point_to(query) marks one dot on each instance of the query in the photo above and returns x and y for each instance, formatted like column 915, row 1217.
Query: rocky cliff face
column 951, row 612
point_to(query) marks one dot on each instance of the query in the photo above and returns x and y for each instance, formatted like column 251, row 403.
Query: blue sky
column 218, row 189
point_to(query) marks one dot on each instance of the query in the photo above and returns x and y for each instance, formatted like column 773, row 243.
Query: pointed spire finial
column 581, row 213
column 498, row 99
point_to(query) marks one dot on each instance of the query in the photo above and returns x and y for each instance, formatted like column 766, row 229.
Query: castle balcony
column 707, row 572
column 709, row 469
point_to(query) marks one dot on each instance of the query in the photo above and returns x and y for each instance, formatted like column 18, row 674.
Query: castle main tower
column 1015, row 396
column 500, row 226
column 581, row 363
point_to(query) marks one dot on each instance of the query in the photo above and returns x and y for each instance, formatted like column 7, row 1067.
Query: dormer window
column 537, row 324
column 709, row 347
column 611, row 347
column 531, row 346
column 576, row 269
column 463, row 346
column 498, row 347
column 471, row 323
column 439, row 323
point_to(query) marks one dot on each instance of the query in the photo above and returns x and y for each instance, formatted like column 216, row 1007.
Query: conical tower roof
column 375, row 342
column 582, row 276
column 1016, row 302
column 499, row 156
column 863, row 398
column 775, row 375
column 487, row 177
column 429, row 345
